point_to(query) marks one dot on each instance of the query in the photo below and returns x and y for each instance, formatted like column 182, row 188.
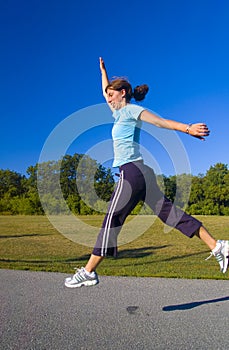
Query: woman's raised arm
column 105, row 80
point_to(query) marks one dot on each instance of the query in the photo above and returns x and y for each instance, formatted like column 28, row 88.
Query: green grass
column 32, row 243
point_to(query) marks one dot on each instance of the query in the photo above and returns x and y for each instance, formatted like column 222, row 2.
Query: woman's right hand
column 101, row 64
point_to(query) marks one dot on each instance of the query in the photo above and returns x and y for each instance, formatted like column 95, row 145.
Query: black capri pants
column 137, row 182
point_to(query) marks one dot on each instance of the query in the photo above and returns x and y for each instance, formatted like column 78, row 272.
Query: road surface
column 39, row 313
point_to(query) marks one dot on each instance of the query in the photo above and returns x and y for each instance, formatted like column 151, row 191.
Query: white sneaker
column 221, row 253
column 82, row 278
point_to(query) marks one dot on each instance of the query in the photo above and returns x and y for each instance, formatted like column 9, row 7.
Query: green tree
column 196, row 198
column 104, row 183
column 68, row 171
column 79, row 180
column 11, row 183
column 216, row 190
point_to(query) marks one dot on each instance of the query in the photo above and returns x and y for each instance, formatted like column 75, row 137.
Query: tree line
column 86, row 187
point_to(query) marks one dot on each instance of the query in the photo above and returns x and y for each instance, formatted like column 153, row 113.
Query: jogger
column 137, row 181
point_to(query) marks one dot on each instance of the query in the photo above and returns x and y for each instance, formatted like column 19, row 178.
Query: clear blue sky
column 49, row 68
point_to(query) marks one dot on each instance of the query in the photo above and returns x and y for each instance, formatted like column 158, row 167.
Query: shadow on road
column 194, row 304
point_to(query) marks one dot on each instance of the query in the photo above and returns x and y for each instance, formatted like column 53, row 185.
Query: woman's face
column 116, row 98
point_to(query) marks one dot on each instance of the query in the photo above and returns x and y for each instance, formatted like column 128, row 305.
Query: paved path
column 39, row 313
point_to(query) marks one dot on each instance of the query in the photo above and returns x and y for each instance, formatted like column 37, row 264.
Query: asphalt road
column 39, row 313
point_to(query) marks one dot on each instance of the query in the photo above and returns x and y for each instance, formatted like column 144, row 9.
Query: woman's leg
column 93, row 262
column 129, row 191
column 205, row 236
column 170, row 214
column 188, row 225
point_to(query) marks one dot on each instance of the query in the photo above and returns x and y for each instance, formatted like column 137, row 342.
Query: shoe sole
column 226, row 256
column 84, row 283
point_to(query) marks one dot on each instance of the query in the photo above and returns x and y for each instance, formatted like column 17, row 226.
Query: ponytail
column 140, row 91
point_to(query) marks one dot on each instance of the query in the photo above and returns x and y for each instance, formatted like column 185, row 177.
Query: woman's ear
column 123, row 91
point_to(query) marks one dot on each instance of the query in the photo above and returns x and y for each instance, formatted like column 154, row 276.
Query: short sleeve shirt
column 126, row 134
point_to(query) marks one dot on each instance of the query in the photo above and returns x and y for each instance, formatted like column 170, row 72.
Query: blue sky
column 49, row 70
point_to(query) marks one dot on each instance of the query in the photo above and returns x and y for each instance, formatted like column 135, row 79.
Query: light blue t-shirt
column 126, row 133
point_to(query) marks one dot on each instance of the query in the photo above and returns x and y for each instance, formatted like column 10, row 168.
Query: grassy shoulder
column 32, row 243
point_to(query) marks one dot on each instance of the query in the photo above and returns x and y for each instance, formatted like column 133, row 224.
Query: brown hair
column 119, row 84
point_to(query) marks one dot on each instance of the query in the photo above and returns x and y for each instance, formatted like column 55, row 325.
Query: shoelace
column 209, row 257
column 78, row 275
column 77, row 269
column 81, row 274
column 218, row 256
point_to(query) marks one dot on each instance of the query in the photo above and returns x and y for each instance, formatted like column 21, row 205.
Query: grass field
column 32, row 243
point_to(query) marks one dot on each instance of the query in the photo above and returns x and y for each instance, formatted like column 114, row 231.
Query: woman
column 137, row 181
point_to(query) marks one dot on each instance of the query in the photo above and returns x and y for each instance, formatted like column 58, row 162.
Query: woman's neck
column 121, row 104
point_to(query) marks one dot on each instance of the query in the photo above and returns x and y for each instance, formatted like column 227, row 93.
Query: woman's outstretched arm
column 198, row 130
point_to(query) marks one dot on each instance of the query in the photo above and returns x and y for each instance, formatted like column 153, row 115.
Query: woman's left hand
column 198, row 130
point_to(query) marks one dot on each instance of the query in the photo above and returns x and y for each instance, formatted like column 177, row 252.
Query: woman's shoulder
column 130, row 107
column 134, row 110
column 129, row 111
column 134, row 107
